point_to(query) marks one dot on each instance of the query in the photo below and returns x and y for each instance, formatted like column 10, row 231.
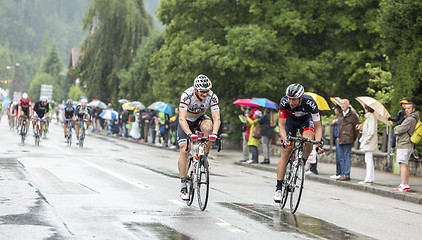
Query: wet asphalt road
column 114, row 189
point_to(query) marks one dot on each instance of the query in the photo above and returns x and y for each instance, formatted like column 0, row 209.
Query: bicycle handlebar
column 301, row 139
column 204, row 140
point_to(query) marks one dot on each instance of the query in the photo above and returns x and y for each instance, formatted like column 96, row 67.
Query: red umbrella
column 245, row 102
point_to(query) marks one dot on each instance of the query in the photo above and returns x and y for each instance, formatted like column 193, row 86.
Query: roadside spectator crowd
column 145, row 126
column 261, row 128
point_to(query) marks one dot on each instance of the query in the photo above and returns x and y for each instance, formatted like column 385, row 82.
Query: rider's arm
column 183, row 113
column 19, row 110
column 318, row 131
column 216, row 121
column 282, row 124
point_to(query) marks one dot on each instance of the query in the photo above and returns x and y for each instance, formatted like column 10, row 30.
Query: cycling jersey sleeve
column 184, row 101
column 214, row 103
column 282, row 114
column 316, row 117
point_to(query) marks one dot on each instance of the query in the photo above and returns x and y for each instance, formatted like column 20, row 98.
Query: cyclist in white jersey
column 194, row 102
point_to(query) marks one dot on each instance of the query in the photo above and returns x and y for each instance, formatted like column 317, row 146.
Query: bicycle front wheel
column 285, row 189
column 23, row 132
column 82, row 138
column 190, row 179
column 203, row 178
column 296, row 187
column 37, row 135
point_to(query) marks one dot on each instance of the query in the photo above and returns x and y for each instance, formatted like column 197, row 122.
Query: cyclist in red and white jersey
column 25, row 108
column 194, row 102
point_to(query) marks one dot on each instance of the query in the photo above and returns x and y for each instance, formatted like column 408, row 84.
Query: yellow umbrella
column 321, row 102
column 127, row 106
column 380, row 111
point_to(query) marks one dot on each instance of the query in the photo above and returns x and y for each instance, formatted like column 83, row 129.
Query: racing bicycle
column 82, row 130
column 198, row 174
column 23, row 129
column 37, row 134
column 69, row 132
column 295, row 177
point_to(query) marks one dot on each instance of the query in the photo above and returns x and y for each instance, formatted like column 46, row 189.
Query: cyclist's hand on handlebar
column 320, row 148
column 193, row 137
column 285, row 143
column 212, row 137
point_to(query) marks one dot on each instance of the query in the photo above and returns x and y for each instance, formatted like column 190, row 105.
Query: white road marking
column 229, row 226
column 138, row 185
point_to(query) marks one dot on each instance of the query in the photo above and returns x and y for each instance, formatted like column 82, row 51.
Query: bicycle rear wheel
column 298, row 178
column 203, row 178
column 189, row 181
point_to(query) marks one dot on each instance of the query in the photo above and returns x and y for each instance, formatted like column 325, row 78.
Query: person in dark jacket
column 125, row 120
column 347, row 133
column 398, row 119
column 267, row 123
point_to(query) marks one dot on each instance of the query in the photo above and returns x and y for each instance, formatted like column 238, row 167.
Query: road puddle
column 284, row 221
column 155, row 231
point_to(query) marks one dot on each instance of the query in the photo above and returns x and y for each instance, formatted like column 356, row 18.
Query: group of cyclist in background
column 24, row 112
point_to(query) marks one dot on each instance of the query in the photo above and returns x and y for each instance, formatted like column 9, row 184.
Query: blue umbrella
column 263, row 102
column 109, row 114
column 165, row 108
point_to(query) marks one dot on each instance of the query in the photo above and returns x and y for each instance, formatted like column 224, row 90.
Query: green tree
column 400, row 25
column 44, row 79
column 136, row 82
column 75, row 93
column 116, row 29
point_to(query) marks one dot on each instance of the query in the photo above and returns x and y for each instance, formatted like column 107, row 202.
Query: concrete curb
column 381, row 190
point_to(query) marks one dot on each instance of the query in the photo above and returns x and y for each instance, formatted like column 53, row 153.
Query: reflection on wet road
column 284, row 221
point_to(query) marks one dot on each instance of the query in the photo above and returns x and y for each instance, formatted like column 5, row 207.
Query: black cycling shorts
column 292, row 125
column 25, row 112
column 193, row 126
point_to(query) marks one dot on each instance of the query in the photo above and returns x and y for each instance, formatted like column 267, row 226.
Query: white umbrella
column 380, row 111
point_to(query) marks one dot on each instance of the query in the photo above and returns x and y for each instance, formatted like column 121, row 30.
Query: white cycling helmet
column 25, row 96
column 43, row 99
column 202, row 83
column 295, row 90
column 83, row 100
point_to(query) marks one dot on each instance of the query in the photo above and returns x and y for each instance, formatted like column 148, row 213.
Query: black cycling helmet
column 295, row 91
column 69, row 101
column 202, row 83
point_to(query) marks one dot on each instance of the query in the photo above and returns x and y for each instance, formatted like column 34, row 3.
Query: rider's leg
column 282, row 164
column 27, row 124
column 65, row 128
column 183, row 160
column 206, row 129
column 34, row 121
column 41, row 127
column 88, row 123
column 77, row 129
column 307, row 148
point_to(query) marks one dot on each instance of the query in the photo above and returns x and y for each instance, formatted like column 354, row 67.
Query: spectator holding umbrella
column 369, row 143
